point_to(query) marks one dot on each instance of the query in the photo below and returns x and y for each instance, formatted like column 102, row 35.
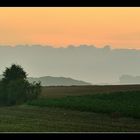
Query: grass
column 36, row 119
column 119, row 104
column 76, row 109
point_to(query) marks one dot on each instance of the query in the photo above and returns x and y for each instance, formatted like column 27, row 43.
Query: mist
column 84, row 62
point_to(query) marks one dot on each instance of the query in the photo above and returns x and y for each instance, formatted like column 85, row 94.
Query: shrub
column 14, row 87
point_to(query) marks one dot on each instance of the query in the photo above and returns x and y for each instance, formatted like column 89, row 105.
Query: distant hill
column 129, row 79
column 57, row 81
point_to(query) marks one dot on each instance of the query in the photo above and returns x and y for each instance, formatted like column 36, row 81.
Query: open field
column 88, row 111
column 61, row 91
column 117, row 104
column 37, row 119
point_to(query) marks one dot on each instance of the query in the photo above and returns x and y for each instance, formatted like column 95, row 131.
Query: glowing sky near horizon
column 62, row 26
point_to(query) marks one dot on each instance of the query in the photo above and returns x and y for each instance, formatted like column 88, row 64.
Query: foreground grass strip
column 38, row 119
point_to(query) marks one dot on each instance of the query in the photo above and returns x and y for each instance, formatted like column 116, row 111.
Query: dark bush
column 14, row 87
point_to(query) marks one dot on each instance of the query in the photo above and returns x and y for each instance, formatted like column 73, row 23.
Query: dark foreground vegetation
column 14, row 87
column 117, row 104
column 26, row 118
column 66, row 109
column 104, row 111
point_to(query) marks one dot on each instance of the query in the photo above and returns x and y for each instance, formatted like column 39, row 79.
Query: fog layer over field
column 87, row 63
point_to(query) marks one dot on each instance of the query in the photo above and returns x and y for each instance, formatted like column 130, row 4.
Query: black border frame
column 69, row 3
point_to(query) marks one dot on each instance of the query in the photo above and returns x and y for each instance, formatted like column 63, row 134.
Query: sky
column 63, row 26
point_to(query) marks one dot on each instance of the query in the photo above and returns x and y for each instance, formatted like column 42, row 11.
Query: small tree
column 15, row 72
column 14, row 87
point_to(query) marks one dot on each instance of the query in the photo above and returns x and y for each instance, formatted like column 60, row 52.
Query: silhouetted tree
column 14, row 87
column 15, row 72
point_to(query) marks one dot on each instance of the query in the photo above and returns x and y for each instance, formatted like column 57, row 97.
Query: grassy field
column 37, row 119
column 78, row 109
column 119, row 103
column 61, row 91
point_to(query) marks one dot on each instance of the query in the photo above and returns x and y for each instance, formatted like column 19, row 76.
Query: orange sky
column 61, row 26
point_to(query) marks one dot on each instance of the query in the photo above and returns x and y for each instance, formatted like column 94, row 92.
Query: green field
column 120, row 103
column 36, row 119
column 96, row 109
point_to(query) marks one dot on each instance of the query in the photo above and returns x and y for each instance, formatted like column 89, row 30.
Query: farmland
column 61, row 91
column 76, row 109
column 117, row 104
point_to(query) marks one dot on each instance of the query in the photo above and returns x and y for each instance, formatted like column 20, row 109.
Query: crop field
column 117, row 104
column 76, row 109
column 61, row 91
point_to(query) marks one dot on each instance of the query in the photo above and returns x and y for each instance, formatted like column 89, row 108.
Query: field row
column 116, row 104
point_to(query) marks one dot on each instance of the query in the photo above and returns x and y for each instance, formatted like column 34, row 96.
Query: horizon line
column 68, row 46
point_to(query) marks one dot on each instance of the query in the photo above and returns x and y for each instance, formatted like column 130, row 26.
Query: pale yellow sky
column 61, row 26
